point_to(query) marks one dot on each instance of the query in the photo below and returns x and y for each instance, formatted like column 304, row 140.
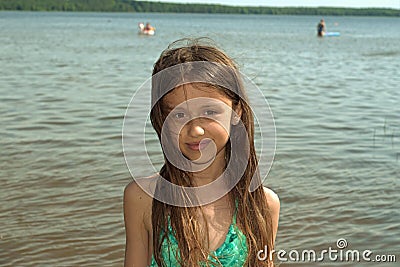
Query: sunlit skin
column 199, row 116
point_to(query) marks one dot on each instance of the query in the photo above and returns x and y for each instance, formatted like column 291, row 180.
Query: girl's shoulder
column 274, row 207
column 272, row 201
column 135, row 194
column 138, row 202
column 272, row 197
column 137, row 190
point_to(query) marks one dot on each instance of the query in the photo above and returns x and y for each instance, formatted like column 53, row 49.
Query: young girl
column 206, row 130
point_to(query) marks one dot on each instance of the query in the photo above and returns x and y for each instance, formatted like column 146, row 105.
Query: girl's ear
column 236, row 115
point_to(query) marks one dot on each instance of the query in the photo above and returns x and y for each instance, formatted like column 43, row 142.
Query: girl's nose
column 195, row 128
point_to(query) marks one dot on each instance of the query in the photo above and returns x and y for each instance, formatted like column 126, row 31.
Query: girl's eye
column 210, row 112
column 179, row 115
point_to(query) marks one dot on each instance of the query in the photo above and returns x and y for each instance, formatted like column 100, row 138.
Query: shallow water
column 67, row 78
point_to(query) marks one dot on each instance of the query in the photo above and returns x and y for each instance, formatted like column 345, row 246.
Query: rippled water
column 67, row 78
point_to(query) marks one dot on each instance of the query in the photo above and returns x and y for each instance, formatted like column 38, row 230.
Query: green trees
column 60, row 5
column 144, row 6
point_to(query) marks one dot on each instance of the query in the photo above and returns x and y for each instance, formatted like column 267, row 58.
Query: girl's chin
column 199, row 158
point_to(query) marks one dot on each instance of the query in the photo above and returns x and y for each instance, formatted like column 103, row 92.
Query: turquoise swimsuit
column 232, row 253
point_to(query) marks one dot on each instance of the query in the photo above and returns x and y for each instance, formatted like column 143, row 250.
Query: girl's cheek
column 222, row 125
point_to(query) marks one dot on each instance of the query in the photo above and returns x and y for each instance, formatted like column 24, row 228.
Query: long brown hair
column 253, row 214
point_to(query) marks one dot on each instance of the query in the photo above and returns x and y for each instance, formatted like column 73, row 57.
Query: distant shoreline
column 150, row 7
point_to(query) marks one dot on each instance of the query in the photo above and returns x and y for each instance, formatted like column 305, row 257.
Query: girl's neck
column 212, row 172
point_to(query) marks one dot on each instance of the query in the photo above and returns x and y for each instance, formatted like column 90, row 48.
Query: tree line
column 144, row 6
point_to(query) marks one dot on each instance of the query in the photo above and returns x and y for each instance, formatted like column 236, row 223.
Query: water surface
column 67, row 78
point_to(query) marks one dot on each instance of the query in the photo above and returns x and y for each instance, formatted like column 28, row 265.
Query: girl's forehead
column 186, row 92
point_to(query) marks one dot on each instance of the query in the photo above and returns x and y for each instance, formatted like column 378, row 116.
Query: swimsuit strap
column 235, row 212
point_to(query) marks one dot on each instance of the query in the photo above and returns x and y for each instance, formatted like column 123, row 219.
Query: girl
column 206, row 130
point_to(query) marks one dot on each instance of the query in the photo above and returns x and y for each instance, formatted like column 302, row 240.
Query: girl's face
column 199, row 119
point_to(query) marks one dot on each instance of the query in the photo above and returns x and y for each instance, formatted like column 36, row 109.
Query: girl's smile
column 196, row 146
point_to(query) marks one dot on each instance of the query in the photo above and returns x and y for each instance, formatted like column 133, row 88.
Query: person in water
column 148, row 27
column 321, row 28
column 199, row 111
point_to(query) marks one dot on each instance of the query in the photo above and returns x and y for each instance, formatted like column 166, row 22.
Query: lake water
column 67, row 78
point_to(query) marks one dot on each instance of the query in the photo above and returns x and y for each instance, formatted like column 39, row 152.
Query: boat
column 329, row 34
column 146, row 30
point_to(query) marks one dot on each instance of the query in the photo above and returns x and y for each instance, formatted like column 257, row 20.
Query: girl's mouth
column 196, row 146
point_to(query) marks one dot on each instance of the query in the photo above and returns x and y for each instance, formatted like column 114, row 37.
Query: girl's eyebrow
column 207, row 105
column 212, row 105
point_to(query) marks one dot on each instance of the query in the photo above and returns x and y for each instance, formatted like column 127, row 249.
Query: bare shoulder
column 274, row 207
column 137, row 217
column 272, row 199
column 138, row 202
column 133, row 192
